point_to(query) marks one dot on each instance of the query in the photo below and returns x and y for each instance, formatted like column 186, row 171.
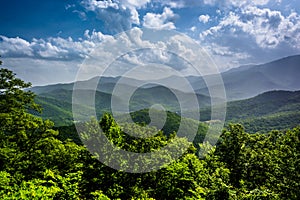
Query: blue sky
column 46, row 41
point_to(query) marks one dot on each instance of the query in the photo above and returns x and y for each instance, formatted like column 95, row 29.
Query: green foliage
column 274, row 110
column 172, row 124
column 14, row 103
column 29, row 148
column 37, row 162
column 13, row 98
column 262, row 166
column 98, row 195
column 57, row 111
column 278, row 121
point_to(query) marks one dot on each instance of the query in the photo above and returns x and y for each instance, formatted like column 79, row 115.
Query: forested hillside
column 268, row 111
column 57, row 104
column 278, row 110
column 36, row 163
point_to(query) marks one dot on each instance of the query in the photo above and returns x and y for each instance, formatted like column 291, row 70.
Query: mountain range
column 272, row 110
column 254, row 93
column 240, row 83
column 251, row 80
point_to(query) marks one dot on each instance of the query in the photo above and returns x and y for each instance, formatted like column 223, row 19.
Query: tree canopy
column 36, row 163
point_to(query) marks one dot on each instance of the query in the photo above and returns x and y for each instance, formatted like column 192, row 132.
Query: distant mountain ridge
column 240, row 83
column 268, row 111
column 57, row 103
column 255, row 94
column 249, row 81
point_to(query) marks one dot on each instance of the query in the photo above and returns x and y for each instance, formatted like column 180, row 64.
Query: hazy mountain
column 264, row 104
column 265, row 112
column 240, row 83
column 248, row 81
column 57, row 103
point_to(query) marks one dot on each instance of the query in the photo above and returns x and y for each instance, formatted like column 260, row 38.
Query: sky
column 45, row 42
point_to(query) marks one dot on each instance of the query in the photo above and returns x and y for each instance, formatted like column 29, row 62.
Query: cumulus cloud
column 267, row 27
column 204, row 18
column 97, row 51
column 93, row 5
column 176, row 4
column 260, row 2
column 145, row 47
column 210, row 2
column 160, row 21
column 252, row 33
column 135, row 3
column 116, row 15
column 15, row 47
column 52, row 48
column 173, row 3
column 224, row 4
column 51, row 60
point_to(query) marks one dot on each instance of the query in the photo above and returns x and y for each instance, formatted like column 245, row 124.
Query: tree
column 230, row 151
column 15, row 102
column 33, row 162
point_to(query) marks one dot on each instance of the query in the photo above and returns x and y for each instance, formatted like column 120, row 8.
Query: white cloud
column 52, row 48
column 93, row 5
column 94, row 36
column 51, row 60
column 68, row 6
column 210, row 2
column 82, row 15
column 235, row 3
column 135, row 3
column 267, row 27
column 177, row 3
column 160, row 21
column 260, row 2
column 251, row 34
column 15, row 46
column 62, row 56
column 116, row 15
column 226, row 51
column 174, row 4
column 204, row 18
column 193, row 28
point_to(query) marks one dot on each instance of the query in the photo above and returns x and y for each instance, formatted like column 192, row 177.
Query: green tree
column 15, row 102
column 230, row 151
column 34, row 164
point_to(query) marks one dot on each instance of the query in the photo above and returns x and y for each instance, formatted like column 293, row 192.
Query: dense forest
column 273, row 110
column 38, row 161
